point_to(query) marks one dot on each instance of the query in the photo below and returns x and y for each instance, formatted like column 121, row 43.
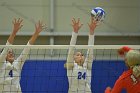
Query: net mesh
column 43, row 69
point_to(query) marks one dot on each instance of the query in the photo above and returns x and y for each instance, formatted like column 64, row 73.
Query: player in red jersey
column 130, row 79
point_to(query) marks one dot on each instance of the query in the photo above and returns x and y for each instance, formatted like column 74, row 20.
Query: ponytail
column 136, row 71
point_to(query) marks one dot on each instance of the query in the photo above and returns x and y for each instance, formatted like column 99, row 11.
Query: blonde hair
column 136, row 71
column 133, row 58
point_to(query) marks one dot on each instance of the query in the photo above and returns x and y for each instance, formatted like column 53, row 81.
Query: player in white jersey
column 10, row 69
column 78, row 67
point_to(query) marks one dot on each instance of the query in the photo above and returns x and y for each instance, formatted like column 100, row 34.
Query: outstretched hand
column 76, row 25
column 17, row 25
column 39, row 26
column 92, row 25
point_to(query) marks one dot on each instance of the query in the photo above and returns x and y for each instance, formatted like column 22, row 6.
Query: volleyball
column 98, row 13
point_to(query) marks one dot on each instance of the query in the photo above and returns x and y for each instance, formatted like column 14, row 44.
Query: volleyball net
column 44, row 72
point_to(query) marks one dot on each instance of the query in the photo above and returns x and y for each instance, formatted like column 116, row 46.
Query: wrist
column 15, row 30
column 36, row 32
column 76, row 31
column 91, row 32
column 13, row 34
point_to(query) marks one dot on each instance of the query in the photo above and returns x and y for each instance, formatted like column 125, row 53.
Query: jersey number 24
column 81, row 75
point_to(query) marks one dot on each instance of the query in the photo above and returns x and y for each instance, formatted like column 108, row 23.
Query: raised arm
column 89, row 56
column 17, row 24
column 38, row 28
column 76, row 26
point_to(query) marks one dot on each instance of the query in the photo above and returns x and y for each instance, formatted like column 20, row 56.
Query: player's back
column 129, row 84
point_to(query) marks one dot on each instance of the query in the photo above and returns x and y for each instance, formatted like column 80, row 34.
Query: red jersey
column 125, row 81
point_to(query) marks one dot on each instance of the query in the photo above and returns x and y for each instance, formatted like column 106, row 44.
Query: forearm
column 23, row 56
column 70, row 60
column 33, row 38
column 89, row 55
column 73, row 38
column 11, row 38
column 91, row 39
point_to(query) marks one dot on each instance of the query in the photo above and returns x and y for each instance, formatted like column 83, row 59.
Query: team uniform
column 10, row 73
column 80, row 76
column 126, row 81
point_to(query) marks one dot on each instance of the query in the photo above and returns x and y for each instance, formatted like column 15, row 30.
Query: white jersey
column 10, row 73
column 78, row 80
column 80, row 76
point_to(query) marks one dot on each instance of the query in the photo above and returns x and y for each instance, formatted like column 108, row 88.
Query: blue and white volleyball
column 98, row 13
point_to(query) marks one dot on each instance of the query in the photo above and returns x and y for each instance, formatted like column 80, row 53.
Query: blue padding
column 105, row 73
column 49, row 76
